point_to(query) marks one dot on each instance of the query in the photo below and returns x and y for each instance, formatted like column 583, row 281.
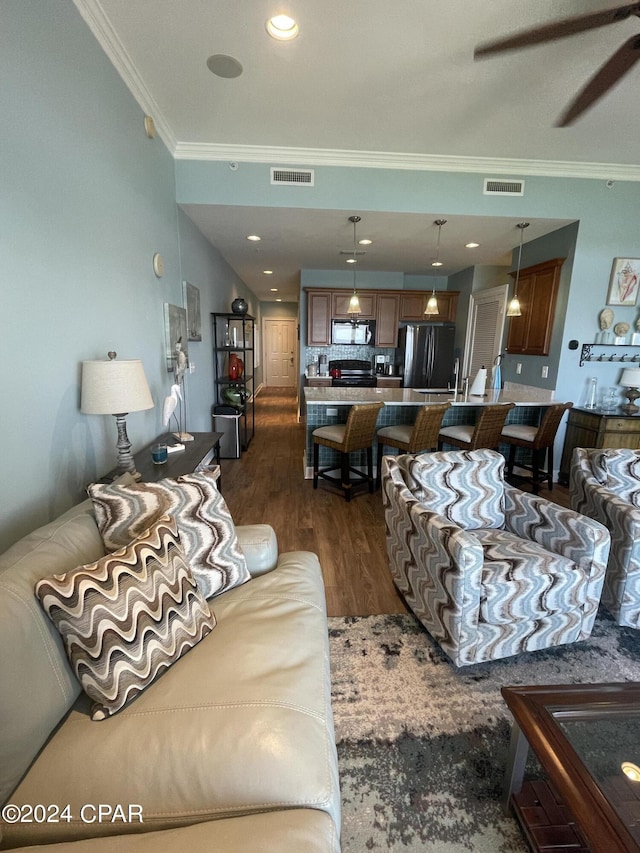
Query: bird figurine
column 171, row 404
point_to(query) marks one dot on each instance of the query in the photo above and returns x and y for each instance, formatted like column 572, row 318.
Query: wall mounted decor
column 623, row 284
column 177, row 348
column 192, row 304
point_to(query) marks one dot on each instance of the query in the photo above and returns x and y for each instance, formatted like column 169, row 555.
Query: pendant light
column 432, row 302
column 354, row 302
column 513, row 309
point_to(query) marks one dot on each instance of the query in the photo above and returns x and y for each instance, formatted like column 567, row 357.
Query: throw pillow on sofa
column 127, row 617
column 207, row 532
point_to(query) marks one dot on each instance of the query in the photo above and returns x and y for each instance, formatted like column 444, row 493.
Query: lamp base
column 632, row 395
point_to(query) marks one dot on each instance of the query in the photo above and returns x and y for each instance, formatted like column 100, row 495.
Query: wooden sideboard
column 591, row 428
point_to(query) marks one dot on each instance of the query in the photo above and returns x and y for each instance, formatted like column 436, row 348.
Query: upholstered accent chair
column 412, row 438
column 605, row 485
column 489, row 570
column 356, row 434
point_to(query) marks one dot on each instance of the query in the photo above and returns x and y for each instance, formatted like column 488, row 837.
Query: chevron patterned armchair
column 605, row 485
column 489, row 570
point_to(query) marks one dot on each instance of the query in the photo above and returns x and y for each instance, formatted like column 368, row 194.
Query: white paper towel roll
column 479, row 383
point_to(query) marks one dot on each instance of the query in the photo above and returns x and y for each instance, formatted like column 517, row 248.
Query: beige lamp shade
column 114, row 387
column 630, row 377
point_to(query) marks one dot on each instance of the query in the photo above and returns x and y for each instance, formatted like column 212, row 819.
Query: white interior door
column 487, row 312
column 280, row 347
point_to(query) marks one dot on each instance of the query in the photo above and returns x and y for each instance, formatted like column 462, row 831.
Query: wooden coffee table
column 581, row 735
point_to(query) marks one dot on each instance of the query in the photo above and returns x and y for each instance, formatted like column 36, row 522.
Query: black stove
column 354, row 373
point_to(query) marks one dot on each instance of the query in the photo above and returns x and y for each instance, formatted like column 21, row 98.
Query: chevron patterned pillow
column 207, row 532
column 127, row 617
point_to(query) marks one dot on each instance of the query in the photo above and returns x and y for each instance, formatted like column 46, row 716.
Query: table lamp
column 630, row 379
column 116, row 388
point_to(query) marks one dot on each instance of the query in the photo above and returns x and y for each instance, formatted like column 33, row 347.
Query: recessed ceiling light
column 436, row 264
column 254, row 238
column 274, row 289
column 267, row 272
column 365, row 242
column 224, row 66
column 631, row 771
column 471, row 245
column 282, row 27
column 278, row 300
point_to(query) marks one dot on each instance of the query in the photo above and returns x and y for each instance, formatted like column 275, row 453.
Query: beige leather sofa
column 230, row 749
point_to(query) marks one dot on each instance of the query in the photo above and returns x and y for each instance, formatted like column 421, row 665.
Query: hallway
column 266, row 485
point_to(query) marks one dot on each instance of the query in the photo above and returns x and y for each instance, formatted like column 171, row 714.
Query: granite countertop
column 416, row 397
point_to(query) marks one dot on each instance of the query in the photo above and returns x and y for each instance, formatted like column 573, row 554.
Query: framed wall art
column 177, row 347
column 623, row 284
column 192, row 304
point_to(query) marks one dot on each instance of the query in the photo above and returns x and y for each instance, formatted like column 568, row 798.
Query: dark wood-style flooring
column 267, row 485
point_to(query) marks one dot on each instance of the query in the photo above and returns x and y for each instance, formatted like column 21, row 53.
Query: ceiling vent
column 292, row 177
column 493, row 186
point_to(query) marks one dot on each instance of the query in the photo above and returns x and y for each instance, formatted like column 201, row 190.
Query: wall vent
column 493, row 186
column 292, row 177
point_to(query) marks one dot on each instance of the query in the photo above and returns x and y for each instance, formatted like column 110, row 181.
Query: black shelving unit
column 235, row 333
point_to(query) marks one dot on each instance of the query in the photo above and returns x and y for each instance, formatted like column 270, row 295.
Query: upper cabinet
column 340, row 310
column 387, row 307
column 412, row 306
column 319, row 315
column 530, row 334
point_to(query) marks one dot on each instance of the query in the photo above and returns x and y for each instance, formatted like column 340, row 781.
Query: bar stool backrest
column 426, row 427
column 489, row 426
column 361, row 426
column 549, row 424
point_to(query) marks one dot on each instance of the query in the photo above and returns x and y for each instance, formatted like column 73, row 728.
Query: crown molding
column 494, row 166
column 97, row 21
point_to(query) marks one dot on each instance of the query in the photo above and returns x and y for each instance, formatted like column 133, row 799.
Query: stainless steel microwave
column 352, row 332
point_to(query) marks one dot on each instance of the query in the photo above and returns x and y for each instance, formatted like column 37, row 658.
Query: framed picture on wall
column 623, row 284
column 192, row 304
column 177, row 347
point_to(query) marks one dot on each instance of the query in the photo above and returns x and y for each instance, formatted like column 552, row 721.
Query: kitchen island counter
column 330, row 405
column 420, row 397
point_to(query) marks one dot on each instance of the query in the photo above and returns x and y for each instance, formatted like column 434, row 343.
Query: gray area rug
column 422, row 745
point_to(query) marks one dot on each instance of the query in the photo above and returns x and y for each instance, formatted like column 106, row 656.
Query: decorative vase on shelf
column 235, row 396
column 234, row 368
column 591, row 401
column 239, row 305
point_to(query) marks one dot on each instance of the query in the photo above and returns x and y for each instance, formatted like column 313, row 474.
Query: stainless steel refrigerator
column 425, row 355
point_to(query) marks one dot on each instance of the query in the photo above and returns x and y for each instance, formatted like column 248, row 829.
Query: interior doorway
column 280, row 353
column 485, row 327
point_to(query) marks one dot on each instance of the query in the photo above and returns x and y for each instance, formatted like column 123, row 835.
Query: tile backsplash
column 345, row 351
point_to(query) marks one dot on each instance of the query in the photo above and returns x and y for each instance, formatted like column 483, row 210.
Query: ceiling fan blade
column 603, row 80
column 557, row 30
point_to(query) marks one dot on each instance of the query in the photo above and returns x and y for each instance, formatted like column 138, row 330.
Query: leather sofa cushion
column 287, row 831
column 38, row 685
column 242, row 724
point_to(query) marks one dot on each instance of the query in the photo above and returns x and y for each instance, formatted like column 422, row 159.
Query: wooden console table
column 592, row 428
column 197, row 454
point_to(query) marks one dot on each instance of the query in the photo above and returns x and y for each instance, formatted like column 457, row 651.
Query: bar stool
column 484, row 433
column 412, row 438
column 356, row 434
column 539, row 440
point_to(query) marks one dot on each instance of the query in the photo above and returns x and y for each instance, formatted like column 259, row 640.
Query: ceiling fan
column 604, row 79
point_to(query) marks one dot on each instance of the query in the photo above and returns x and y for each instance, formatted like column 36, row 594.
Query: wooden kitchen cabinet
column 530, row 334
column 588, row 428
column 388, row 381
column 319, row 319
column 319, row 382
column 387, row 320
column 340, row 309
column 412, row 305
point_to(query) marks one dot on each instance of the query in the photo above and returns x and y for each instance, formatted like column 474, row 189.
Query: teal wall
column 86, row 199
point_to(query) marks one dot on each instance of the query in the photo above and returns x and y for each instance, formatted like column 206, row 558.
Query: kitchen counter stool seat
column 485, row 433
column 412, row 438
column 539, row 440
column 356, row 434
